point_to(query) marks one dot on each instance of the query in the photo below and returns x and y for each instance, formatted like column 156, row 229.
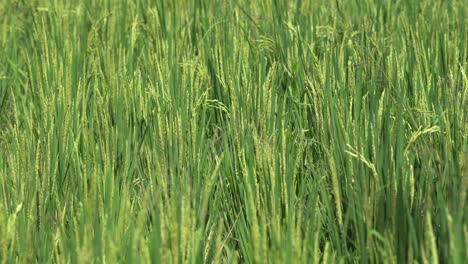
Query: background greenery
column 263, row 131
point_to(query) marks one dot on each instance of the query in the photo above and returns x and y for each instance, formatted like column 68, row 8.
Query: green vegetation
column 252, row 131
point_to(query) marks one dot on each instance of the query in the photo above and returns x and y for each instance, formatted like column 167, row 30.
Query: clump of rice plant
column 233, row 131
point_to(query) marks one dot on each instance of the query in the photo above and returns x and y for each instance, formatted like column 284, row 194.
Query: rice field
column 249, row 131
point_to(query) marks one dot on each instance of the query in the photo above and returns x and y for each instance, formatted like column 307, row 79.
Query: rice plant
column 262, row 131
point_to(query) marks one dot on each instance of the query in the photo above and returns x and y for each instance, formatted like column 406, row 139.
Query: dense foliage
column 253, row 131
